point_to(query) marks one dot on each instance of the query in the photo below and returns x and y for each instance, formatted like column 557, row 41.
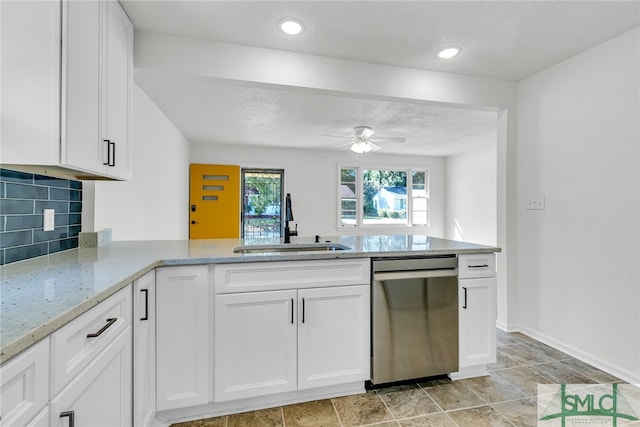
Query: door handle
column 194, row 222
column 465, row 298
column 302, row 310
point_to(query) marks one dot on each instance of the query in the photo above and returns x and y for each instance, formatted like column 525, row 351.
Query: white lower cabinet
column 79, row 375
column 25, row 387
column 255, row 344
column 477, row 321
column 333, row 336
column 183, row 334
column 144, row 350
column 101, row 394
column 276, row 341
column 40, row 420
column 477, row 313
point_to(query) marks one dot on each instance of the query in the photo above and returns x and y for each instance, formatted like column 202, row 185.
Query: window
column 262, row 197
column 373, row 197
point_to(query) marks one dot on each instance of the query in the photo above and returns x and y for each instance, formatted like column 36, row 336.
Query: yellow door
column 214, row 199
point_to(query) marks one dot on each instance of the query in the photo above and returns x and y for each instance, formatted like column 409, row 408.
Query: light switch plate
column 535, row 202
column 48, row 223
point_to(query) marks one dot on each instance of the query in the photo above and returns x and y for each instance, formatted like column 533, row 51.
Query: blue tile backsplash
column 23, row 197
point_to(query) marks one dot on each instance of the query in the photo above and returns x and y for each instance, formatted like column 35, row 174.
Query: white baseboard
column 603, row 365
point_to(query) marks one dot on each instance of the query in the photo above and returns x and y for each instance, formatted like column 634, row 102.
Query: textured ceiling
column 508, row 40
column 280, row 118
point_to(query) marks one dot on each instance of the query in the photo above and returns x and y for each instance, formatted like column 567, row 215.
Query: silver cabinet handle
column 465, row 298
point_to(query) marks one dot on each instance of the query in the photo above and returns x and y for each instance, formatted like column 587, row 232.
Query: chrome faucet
column 288, row 216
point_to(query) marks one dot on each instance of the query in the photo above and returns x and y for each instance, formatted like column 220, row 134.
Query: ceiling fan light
column 360, row 147
column 448, row 52
column 291, row 26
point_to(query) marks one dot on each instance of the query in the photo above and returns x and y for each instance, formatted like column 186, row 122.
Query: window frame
column 359, row 185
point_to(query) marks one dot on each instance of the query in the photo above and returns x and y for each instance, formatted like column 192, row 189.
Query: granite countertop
column 42, row 294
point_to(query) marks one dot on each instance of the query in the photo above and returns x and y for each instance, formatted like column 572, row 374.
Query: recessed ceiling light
column 449, row 52
column 291, row 26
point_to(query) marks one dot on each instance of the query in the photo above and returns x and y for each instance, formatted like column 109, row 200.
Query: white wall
column 153, row 205
column 578, row 259
column 311, row 176
column 471, row 195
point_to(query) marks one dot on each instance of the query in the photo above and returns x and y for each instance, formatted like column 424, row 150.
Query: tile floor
column 507, row 397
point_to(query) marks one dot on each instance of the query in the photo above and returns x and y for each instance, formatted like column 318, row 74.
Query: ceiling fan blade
column 391, row 139
column 345, row 144
column 373, row 146
column 338, row 136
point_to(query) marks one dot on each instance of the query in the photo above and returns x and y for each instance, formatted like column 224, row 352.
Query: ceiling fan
column 363, row 140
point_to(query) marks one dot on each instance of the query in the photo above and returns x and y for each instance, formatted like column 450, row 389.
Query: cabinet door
column 82, row 147
column 333, row 336
column 117, row 58
column 144, row 350
column 40, row 420
column 101, row 394
column 477, row 299
column 25, row 385
column 30, row 82
column 182, row 337
column 255, row 344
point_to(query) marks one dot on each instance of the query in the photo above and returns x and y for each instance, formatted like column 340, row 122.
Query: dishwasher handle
column 418, row 274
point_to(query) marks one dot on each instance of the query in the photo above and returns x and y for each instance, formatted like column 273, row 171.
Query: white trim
column 603, row 365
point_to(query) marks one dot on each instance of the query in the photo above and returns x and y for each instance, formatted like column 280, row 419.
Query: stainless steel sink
column 290, row 247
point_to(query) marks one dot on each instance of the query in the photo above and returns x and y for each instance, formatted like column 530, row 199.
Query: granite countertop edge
column 58, row 264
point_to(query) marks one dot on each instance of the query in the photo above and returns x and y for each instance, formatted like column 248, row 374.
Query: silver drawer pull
column 478, row 266
column 104, row 328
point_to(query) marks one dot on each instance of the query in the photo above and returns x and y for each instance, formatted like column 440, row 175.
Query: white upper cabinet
column 67, row 67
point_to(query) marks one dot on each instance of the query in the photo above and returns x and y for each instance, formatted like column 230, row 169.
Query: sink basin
column 290, row 247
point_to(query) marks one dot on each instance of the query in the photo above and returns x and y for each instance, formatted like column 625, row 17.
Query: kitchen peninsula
column 42, row 296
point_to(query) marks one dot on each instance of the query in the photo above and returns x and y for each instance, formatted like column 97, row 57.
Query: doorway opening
column 262, row 199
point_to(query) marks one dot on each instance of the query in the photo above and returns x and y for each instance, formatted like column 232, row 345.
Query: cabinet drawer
column 71, row 347
column 476, row 266
column 25, row 380
column 263, row 276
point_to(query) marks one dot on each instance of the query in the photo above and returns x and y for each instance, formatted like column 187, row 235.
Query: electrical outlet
column 48, row 223
column 535, row 202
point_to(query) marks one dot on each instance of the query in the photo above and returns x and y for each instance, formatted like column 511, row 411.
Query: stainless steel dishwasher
column 414, row 308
